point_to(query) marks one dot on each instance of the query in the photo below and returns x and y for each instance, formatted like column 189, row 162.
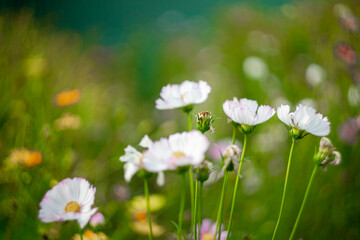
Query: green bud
column 204, row 171
column 204, row 121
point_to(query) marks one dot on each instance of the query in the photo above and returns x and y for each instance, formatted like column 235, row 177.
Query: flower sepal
column 296, row 134
column 142, row 173
column 203, row 172
column 246, row 129
column 188, row 108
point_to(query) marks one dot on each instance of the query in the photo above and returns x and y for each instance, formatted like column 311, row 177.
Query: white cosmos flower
column 247, row 113
column 71, row 199
column 134, row 161
column 303, row 121
column 182, row 95
column 179, row 149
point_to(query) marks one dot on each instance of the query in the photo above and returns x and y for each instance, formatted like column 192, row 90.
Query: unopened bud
column 326, row 154
column 204, row 122
column 337, row 158
column 231, row 157
column 97, row 219
column 204, row 171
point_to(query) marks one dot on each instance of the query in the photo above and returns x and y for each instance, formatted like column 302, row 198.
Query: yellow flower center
column 178, row 155
column 207, row 236
column 140, row 216
column 72, row 207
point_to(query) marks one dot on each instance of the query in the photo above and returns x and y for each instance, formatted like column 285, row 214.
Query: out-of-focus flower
column 208, row 230
column 67, row 98
column 136, row 207
column 138, row 204
column 255, row 68
column 216, row 150
column 350, row 24
column 246, row 113
column 308, row 102
column 303, row 121
column 97, row 219
column 341, row 10
column 353, row 96
column 67, row 121
column 183, row 95
column 71, row 199
column 134, row 162
column 327, row 154
column 90, row 235
column 35, row 66
column 121, row 192
column 204, row 122
column 346, row 53
column 350, row 130
column 355, row 75
column 142, row 227
column 315, row 74
column 178, row 150
column 25, row 157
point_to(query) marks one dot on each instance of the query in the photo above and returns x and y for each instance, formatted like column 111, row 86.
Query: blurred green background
column 120, row 54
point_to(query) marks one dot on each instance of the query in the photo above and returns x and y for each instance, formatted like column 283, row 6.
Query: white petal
column 84, row 218
column 264, row 113
column 283, row 113
column 146, row 142
column 160, row 180
column 130, row 169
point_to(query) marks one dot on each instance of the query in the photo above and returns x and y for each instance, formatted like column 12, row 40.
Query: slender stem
column 200, row 207
column 234, row 135
column 195, row 208
column 146, row 188
column 191, row 179
column 284, row 191
column 221, row 205
column 189, row 121
column 182, row 205
column 235, row 187
column 81, row 234
column 303, row 202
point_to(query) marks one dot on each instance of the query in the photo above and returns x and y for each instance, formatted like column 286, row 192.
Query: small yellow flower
column 142, row 227
column 138, row 203
column 67, row 98
column 90, row 235
column 67, row 121
column 25, row 157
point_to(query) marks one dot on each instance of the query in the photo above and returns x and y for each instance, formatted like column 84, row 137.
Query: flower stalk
column 303, row 202
column 235, row 187
column 146, row 189
column 182, row 205
column 285, row 186
column 191, row 178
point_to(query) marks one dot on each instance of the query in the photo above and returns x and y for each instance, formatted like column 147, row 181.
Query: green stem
column 146, row 188
column 303, row 202
column 235, row 187
column 182, row 205
column 221, row 205
column 234, row 135
column 81, row 234
column 200, row 207
column 284, row 191
column 191, row 179
column 195, row 208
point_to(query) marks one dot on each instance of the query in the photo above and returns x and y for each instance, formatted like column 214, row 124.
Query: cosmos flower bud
column 204, row 122
column 97, row 219
column 326, row 154
column 204, row 171
column 231, row 157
